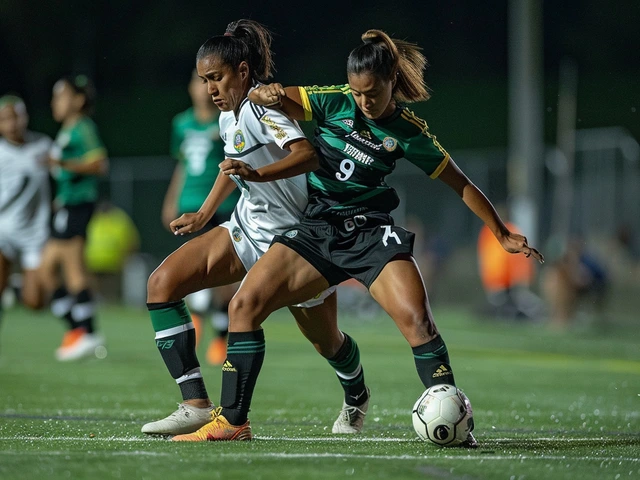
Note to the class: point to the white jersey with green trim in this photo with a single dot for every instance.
(24, 186)
(258, 137)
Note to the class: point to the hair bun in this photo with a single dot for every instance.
(372, 36)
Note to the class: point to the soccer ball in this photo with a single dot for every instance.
(443, 415)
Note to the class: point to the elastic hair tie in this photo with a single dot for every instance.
(228, 34)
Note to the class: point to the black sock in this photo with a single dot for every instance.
(176, 342)
(346, 363)
(61, 303)
(432, 363)
(84, 310)
(245, 354)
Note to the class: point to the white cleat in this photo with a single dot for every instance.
(186, 419)
(84, 345)
(351, 419)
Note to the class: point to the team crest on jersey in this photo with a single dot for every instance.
(291, 233)
(238, 141)
(389, 144)
(236, 234)
(348, 123)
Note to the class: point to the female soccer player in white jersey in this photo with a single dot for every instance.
(362, 131)
(277, 152)
(24, 199)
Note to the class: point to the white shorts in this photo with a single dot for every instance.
(250, 250)
(24, 247)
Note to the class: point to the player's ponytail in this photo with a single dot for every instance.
(244, 41)
(385, 58)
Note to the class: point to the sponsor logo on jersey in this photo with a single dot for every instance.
(360, 139)
(365, 134)
(236, 233)
(279, 132)
(348, 123)
(291, 233)
(356, 154)
(238, 141)
(389, 144)
(441, 371)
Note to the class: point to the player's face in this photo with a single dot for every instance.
(373, 95)
(227, 86)
(199, 93)
(65, 101)
(13, 122)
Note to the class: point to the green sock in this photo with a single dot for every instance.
(346, 363)
(432, 363)
(176, 342)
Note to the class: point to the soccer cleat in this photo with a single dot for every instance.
(186, 419)
(77, 343)
(351, 419)
(217, 351)
(217, 430)
(470, 442)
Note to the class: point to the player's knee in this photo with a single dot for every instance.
(159, 285)
(244, 308)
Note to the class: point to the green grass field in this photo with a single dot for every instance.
(547, 405)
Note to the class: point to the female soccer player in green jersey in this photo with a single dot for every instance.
(275, 147)
(363, 129)
(76, 165)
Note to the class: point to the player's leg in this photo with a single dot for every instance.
(5, 267)
(83, 339)
(281, 277)
(203, 262)
(32, 290)
(319, 324)
(400, 291)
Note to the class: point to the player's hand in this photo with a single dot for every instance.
(188, 223)
(516, 243)
(241, 169)
(169, 212)
(268, 95)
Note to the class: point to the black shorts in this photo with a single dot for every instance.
(71, 221)
(357, 247)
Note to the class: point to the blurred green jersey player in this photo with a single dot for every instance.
(79, 159)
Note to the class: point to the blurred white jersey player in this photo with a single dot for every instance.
(24, 198)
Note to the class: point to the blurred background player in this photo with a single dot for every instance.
(80, 158)
(196, 144)
(24, 199)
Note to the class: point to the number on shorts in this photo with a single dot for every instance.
(347, 167)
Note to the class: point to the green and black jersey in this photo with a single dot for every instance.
(77, 143)
(356, 153)
(199, 149)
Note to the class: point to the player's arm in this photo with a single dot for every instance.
(479, 204)
(88, 165)
(286, 99)
(302, 159)
(192, 222)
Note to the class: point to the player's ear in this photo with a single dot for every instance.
(243, 69)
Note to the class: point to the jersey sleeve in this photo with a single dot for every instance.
(427, 154)
(276, 126)
(324, 103)
(91, 143)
